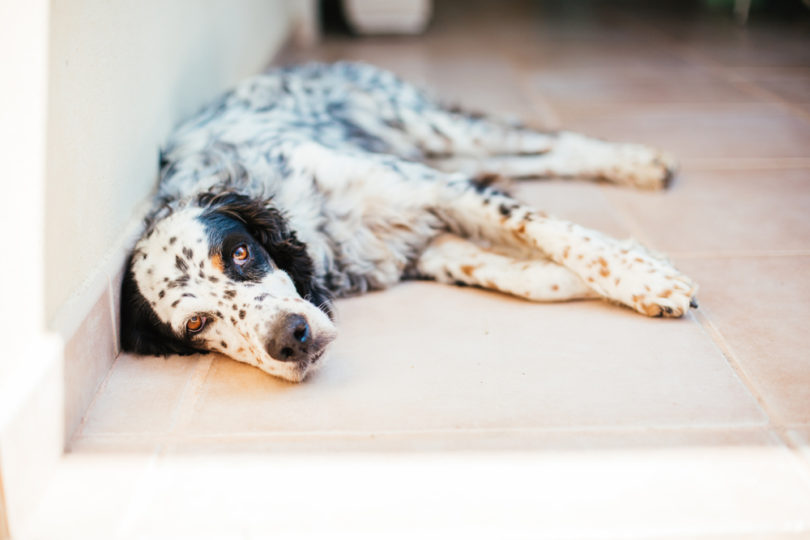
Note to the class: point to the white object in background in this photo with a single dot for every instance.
(388, 16)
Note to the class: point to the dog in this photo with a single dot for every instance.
(318, 181)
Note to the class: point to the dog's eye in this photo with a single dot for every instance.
(195, 323)
(241, 254)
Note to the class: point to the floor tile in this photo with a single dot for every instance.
(699, 131)
(791, 85)
(575, 86)
(575, 364)
(732, 485)
(483, 82)
(723, 211)
(141, 395)
(761, 306)
(762, 42)
(579, 201)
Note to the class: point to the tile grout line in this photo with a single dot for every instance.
(747, 164)
(191, 396)
(143, 492)
(739, 254)
(163, 438)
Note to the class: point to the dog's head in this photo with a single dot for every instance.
(226, 274)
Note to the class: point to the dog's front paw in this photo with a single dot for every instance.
(653, 286)
(627, 273)
(667, 295)
(640, 166)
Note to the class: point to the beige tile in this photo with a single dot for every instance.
(699, 131)
(585, 85)
(88, 357)
(788, 84)
(141, 395)
(762, 42)
(424, 356)
(577, 201)
(724, 211)
(612, 486)
(761, 307)
(777, 46)
(482, 82)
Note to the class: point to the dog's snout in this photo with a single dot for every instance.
(290, 339)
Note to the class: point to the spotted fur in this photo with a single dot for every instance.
(318, 181)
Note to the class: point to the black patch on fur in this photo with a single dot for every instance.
(229, 293)
(232, 219)
(142, 332)
(188, 253)
(180, 264)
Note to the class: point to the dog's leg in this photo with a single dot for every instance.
(455, 141)
(573, 155)
(452, 259)
(388, 188)
(621, 271)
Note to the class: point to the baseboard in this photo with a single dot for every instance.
(88, 324)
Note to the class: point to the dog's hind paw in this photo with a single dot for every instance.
(640, 166)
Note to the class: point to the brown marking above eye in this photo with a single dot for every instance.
(241, 254)
(195, 323)
(216, 262)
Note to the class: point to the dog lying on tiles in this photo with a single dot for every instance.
(318, 181)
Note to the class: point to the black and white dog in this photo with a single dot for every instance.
(317, 181)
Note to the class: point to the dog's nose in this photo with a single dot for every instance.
(290, 338)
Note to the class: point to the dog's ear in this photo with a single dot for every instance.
(269, 227)
(142, 332)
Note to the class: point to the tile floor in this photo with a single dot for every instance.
(455, 412)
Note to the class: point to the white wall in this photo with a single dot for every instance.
(122, 73)
(88, 91)
(23, 87)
